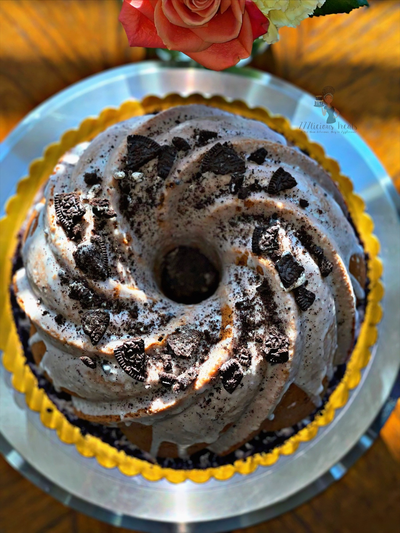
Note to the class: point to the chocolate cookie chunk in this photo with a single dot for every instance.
(167, 379)
(185, 380)
(140, 150)
(281, 181)
(222, 159)
(265, 240)
(101, 208)
(69, 212)
(167, 362)
(79, 290)
(204, 136)
(244, 358)
(184, 343)
(244, 192)
(303, 203)
(231, 375)
(88, 361)
(258, 156)
(59, 319)
(276, 348)
(289, 270)
(166, 161)
(236, 183)
(91, 178)
(304, 298)
(325, 266)
(181, 144)
(95, 324)
(92, 259)
(132, 358)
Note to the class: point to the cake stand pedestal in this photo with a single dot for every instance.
(162, 507)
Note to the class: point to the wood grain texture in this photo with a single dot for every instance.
(45, 45)
(359, 55)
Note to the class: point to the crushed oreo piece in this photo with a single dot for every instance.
(244, 192)
(60, 320)
(91, 178)
(63, 276)
(132, 358)
(305, 238)
(166, 161)
(181, 144)
(101, 208)
(185, 380)
(167, 379)
(325, 266)
(88, 361)
(304, 298)
(303, 203)
(167, 362)
(140, 150)
(280, 181)
(204, 136)
(258, 156)
(184, 342)
(289, 270)
(222, 159)
(92, 259)
(95, 324)
(276, 348)
(69, 211)
(78, 290)
(236, 183)
(244, 358)
(231, 375)
(265, 240)
(265, 293)
(76, 233)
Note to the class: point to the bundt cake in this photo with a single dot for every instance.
(191, 278)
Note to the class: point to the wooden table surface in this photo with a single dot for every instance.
(45, 45)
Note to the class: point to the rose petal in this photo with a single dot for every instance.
(200, 5)
(187, 16)
(221, 28)
(238, 7)
(176, 37)
(144, 6)
(224, 55)
(177, 13)
(139, 29)
(259, 21)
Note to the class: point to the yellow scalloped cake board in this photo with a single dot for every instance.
(24, 380)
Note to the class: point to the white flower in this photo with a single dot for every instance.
(285, 13)
(268, 5)
(272, 35)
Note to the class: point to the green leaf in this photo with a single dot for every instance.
(339, 6)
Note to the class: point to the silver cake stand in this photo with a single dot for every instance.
(243, 500)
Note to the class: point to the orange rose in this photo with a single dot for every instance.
(215, 33)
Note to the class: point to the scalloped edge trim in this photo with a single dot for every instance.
(24, 380)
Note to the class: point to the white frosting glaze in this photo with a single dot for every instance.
(222, 226)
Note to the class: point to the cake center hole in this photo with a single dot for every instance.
(188, 276)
